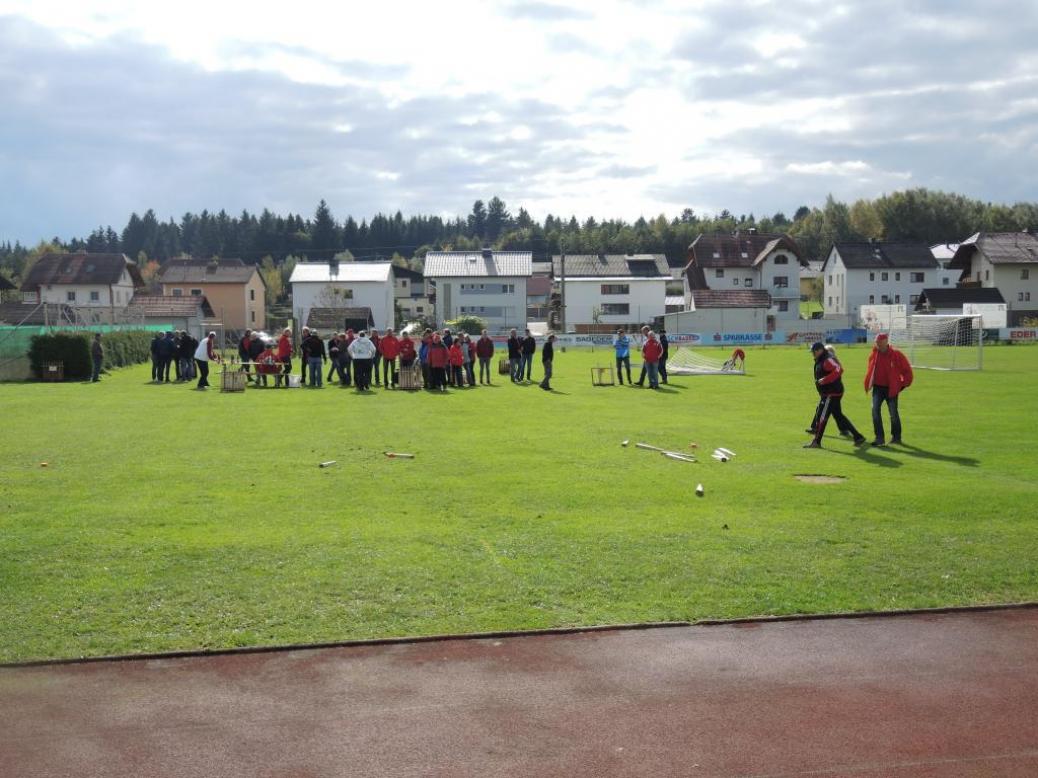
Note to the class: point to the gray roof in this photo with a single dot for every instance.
(743, 249)
(80, 269)
(880, 255)
(1001, 248)
(612, 265)
(203, 271)
(956, 297)
(158, 306)
(454, 264)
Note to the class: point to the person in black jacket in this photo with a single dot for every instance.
(243, 352)
(515, 356)
(316, 356)
(303, 337)
(167, 351)
(666, 353)
(156, 359)
(829, 383)
(547, 355)
(255, 348)
(528, 349)
(186, 354)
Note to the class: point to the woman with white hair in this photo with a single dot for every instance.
(204, 354)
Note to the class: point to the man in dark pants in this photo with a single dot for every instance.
(156, 358)
(243, 352)
(515, 357)
(97, 355)
(665, 344)
(547, 356)
(829, 383)
(528, 350)
(888, 374)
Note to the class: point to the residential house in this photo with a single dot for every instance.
(488, 284)
(538, 297)
(235, 291)
(742, 311)
(185, 313)
(336, 284)
(7, 290)
(604, 291)
(412, 295)
(944, 253)
(1007, 261)
(329, 320)
(748, 260)
(987, 301)
(83, 280)
(876, 273)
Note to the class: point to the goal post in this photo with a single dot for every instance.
(941, 342)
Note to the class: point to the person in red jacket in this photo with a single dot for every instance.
(437, 359)
(829, 383)
(389, 349)
(651, 353)
(887, 375)
(284, 355)
(457, 360)
(485, 352)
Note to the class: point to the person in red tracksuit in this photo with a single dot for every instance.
(389, 349)
(829, 383)
(457, 360)
(887, 375)
(284, 355)
(651, 353)
(437, 358)
(485, 352)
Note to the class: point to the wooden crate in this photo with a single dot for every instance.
(232, 381)
(602, 376)
(411, 377)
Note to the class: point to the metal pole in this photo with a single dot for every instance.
(562, 290)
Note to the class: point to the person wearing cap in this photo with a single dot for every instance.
(547, 357)
(888, 374)
(622, 349)
(829, 383)
(844, 432)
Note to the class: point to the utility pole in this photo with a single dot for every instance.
(562, 288)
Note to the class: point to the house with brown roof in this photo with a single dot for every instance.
(235, 291)
(745, 261)
(175, 313)
(83, 280)
(1007, 261)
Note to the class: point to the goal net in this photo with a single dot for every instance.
(685, 361)
(942, 342)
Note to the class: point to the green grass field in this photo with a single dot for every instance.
(173, 519)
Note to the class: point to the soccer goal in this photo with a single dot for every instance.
(942, 342)
(685, 361)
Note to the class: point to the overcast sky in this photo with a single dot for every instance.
(610, 109)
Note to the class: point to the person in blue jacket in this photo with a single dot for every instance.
(622, 346)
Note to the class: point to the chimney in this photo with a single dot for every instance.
(333, 266)
(601, 257)
(488, 253)
(752, 230)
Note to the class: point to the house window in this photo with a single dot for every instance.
(872, 276)
(196, 292)
(252, 294)
(897, 298)
(897, 276)
(783, 305)
(178, 292)
(616, 309)
(735, 282)
(419, 309)
(945, 281)
(403, 283)
(1019, 297)
(719, 272)
(70, 296)
(885, 299)
(872, 299)
(1025, 274)
(252, 316)
(781, 259)
(884, 276)
(913, 299)
(748, 283)
(616, 288)
(1027, 297)
(96, 297)
(917, 278)
(782, 282)
(830, 279)
(830, 302)
(987, 275)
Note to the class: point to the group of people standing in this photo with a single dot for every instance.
(173, 349)
(655, 351)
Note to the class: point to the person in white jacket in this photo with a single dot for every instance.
(204, 354)
(362, 351)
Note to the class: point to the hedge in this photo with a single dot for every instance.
(128, 347)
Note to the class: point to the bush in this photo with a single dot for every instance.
(128, 347)
(473, 325)
(71, 349)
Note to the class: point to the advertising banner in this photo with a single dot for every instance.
(1019, 334)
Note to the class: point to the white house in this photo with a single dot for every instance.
(411, 296)
(1007, 261)
(610, 290)
(83, 280)
(748, 260)
(944, 253)
(743, 311)
(488, 284)
(344, 285)
(876, 273)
